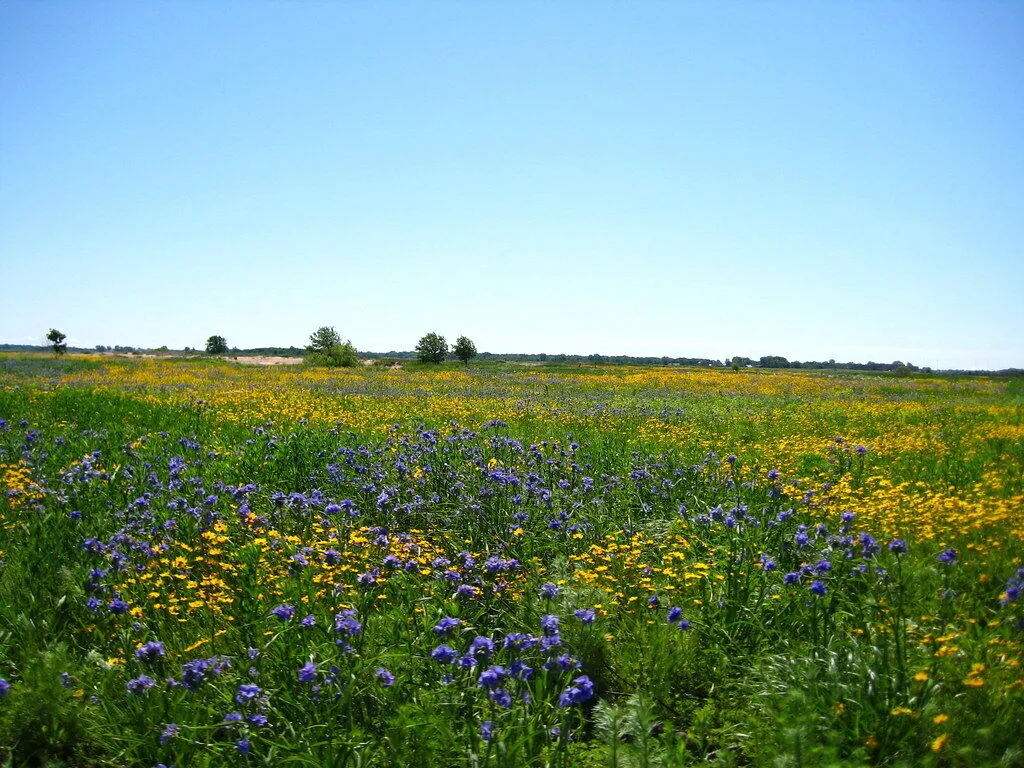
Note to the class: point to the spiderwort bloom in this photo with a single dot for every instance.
(549, 624)
(587, 615)
(141, 684)
(487, 730)
(346, 623)
(150, 651)
(481, 645)
(445, 654)
(243, 746)
(501, 697)
(947, 557)
(170, 731)
(898, 546)
(307, 672)
(117, 605)
(818, 587)
(549, 591)
(385, 677)
(580, 690)
(446, 625)
(283, 612)
(674, 614)
(491, 676)
(247, 693)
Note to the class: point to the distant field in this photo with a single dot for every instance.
(206, 563)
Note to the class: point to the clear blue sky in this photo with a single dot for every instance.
(815, 180)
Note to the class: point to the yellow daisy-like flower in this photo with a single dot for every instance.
(940, 742)
(940, 719)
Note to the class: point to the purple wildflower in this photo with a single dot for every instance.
(284, 612)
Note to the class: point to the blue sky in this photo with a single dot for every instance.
(814, 180)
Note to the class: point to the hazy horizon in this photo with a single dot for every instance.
(841, 181)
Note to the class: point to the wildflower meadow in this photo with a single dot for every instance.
(210, 564)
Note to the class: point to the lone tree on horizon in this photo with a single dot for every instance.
(432, 348)
(216, 345)
(464, 349)
(327, 348)
(56, 338)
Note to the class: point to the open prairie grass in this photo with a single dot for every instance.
(210, 564)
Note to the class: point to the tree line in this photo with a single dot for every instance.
(327, 348)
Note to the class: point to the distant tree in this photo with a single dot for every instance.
(327, 348)
(216, 345)
(432, 349)
(56, 338)
(464, 349)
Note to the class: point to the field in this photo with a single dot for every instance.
(209, 564)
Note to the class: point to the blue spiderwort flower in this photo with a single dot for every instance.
(674, 614)
(446, 625)
(283, 612)
(150, 651)
(4, 687)
(487, 730)
(818, 587)
(260, 721)
(247, 693)
(549, 591)
(481, 645)
(444, 654)
(898, 546)
(549, 624)
(346, 623)
(307, 672)
(947, 557)
(385, 677)
(171, 730)
(117, 605)
(491, 676)
(587, 615)
(580, 690)
(243, 746)
(791, 578)
(141, 684)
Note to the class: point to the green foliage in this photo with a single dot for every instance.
(216, 345)
(464, 349)
(432, 348)
(56, 338)
(42, 722)
(326, 348)
(766, 672)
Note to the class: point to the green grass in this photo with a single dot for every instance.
(125, 493)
